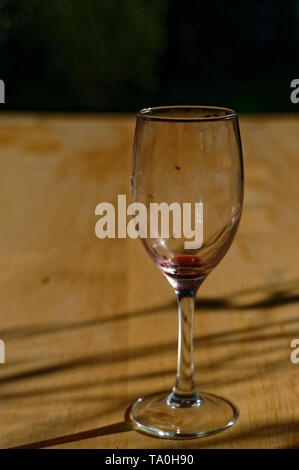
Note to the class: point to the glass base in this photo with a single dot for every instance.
(211, 414)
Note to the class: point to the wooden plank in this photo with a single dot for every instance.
(89, 325)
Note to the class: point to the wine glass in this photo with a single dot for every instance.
(188, 154)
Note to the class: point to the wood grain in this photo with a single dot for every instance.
(90, 325)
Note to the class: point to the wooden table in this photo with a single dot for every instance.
(90, 325)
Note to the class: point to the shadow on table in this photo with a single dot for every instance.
(271, 296)
(115, 428)
(245, 438)
(229, 337)
(257, 334)
(123, 426)
(281, 294)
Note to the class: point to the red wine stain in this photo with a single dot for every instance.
(183, 260)
(182, 267)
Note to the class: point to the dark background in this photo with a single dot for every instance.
(114, 55)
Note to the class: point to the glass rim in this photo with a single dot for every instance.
(152, 113)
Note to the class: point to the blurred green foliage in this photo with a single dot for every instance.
(92, 54)
(120, 55)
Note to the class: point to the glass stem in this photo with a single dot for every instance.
(184, 392)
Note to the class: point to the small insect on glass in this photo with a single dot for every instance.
(188, 154)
